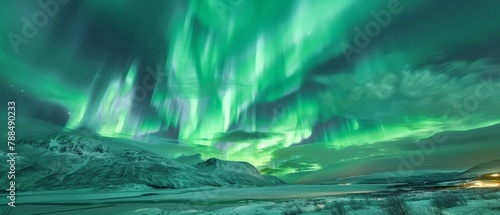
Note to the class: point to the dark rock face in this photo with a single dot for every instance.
(69, 161)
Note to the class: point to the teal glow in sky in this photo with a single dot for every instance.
(300, 89)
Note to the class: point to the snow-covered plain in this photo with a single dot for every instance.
(191, 199)
(287, 199)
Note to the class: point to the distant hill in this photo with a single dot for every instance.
(481, 169)
(421, 176)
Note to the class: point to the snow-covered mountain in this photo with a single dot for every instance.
(236, 172)
(70, 161)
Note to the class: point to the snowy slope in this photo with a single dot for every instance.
(70, 161)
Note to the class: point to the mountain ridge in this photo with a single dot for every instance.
(66, 161)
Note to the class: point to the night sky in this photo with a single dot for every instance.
(304, 90)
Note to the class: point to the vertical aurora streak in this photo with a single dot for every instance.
(254, 80)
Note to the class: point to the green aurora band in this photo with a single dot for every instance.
(237, 76)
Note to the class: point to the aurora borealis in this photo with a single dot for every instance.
(267, 82)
